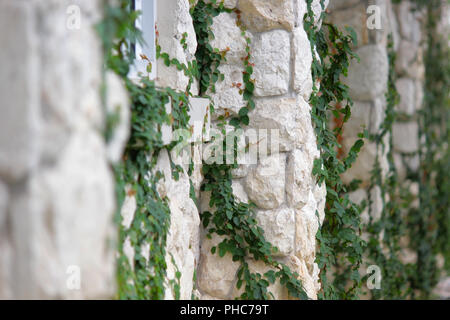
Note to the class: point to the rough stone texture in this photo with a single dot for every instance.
(361, 119)
(216, 274)
(307, 224)
(342, 4)
(56, 186)
(299, 178)
(19, 121)
(406, 136)
(407, 91)
(271, 56)
(265, 184)
(173, 20)
(367, 79)
(183, 240)
(227, 99)
(354, 16)
(280, 184)
(279, 228)
(239, 191)
(118, 104)
(409, 21)
(409, 60)
(261, 15)
(61, 190)
(302, 62)
(288, 115)
(227, 36)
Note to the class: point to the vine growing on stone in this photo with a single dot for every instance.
(339, 238)
(429, 225)
(384, 246)
(142, 276)
(231, 219)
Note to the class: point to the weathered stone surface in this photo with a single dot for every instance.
(399, 166)
(307, 275)
(5, 246)
(265, 184)
(419, 94)
(227, 99)
(4, 199)
(216, 275)
(377, 114)
(393, 25)
(299, 179)
(241, 171)
(228, 37)
(359, 120)
(302, 63)
(261, 15)
(405, 136)
(320, 194)
(279, 228)
(6, 277)
(409, 60)
(118, 105)
(357, 197)
(230, 4)
(406, 90)
(342, 4)
(271, 56)
(239, 191)
(365, 115)
(68, 224)
(19, 121)
(376, 207)
(174, 19)
(307, 224)
(290, 116)
(408, 17)
(354, 17)
(443, 288)
(412, 162)
(363, 165)
(183, 239)
(367, 79)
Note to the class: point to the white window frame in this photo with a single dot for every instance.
(147, 24)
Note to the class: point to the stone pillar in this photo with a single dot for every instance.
(56, 187)
(183, 239)
(280, 184)
(368, 85)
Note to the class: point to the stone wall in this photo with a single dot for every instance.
(280, 184)
(56, 187)
(367, 81)
(368, 84)
(287, 198)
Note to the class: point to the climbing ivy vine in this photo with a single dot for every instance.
(142, 276)
(429, 224)
(384, 245)
(340, 244)
(426, 225)
(233, 220)
(341, 247)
